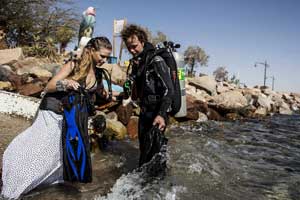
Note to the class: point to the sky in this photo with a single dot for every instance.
(234, 33)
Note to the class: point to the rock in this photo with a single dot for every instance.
(264, 101)
(40, 72)
(192, 114)
(132, 127)
(267, 91)
(9, 55)
(214, 115)
(222, 89)
(249, 98)
(198, 94)
(31, 65)
(17, 81)
(287, 98)
(261, 111)
(254, 92)
(53, 68)
(231, 100)
(202, 117)
(295, 97)
(31, 89)
(5, 85)
(206, 83)
(118, 76)
(232, 86)
(277, 100)
(295, 94)
(6, 67)
(295, 107)
(233, 116)
(116, 128)
(285, 109)
(136, 111)
(16, 104)
(5, 72)
(124, 113)
(194, 104)
(112, 116)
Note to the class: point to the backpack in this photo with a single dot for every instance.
(166, 53)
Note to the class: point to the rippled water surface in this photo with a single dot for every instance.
(251, 159)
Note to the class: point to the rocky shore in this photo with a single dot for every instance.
(23, 79)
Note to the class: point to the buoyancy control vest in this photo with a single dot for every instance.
(175, 62)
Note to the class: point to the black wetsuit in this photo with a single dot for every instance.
(154, 89)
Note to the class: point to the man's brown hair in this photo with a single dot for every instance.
(133, 29)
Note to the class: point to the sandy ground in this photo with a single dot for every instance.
(120, 157)
(10, 127)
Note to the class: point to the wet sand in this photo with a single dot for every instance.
(10, 127)
(120, 157)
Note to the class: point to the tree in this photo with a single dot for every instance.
(157, 38)
(195, 56)
(64, 35)
(30, 19)
(235, 80)
(221, 74)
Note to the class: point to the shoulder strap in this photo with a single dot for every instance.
(104, 72)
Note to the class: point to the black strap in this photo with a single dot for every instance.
(107, 76)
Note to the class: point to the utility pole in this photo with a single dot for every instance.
(265, 71)
(273, 80)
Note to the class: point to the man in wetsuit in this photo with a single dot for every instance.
(152, 86)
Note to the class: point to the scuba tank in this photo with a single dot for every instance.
(179, 58)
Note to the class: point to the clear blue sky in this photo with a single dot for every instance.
(234, 33)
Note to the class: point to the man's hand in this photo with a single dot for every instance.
(160, 121)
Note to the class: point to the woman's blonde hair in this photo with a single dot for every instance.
(85, 63)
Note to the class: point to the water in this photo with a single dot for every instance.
(251, 159)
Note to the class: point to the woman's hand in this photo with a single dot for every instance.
(71, 84)
(160, 121)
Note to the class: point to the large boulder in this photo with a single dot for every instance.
(207, 83)
(33, 66)
(8, 55)
(118, 76)
(193, 103)
(254, 92)
(118, 130)
(31, 89)
(198, 94)
(53, 68)
(230, 100)
(285, 109)
(296, 97)
(5, 85)
(124, 113)
(132, 127)
(261, 111)
(112, 116)
(222, 89)
(265, 102)
(8, 75)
